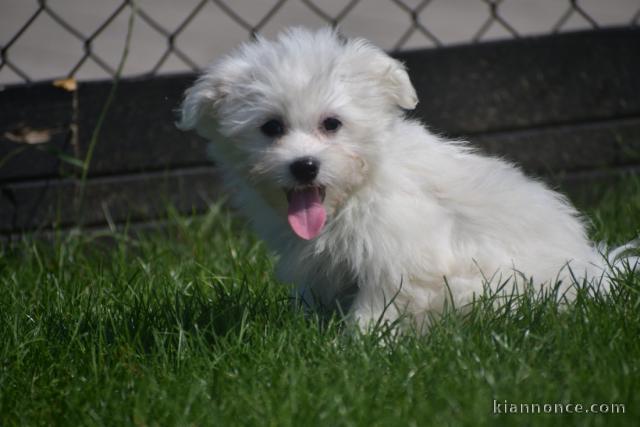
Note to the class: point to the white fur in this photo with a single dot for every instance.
(406, 209)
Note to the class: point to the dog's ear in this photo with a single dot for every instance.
(388, 72)
(198, 102)
(203, 98)
(397, 83)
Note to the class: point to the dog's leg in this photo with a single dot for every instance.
(373, 307)
(416, 302)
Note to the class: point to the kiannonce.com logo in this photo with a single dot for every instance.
(506, 407)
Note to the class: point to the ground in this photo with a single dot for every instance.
(187, 326)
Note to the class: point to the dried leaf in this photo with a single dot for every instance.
(27, 135)
(69, 84)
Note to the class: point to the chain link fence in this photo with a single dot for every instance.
(43, 39)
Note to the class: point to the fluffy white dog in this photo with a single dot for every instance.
(364, 206)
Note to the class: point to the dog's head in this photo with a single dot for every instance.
(303, 118)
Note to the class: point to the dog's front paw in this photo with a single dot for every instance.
(366, 319)
(361, 321)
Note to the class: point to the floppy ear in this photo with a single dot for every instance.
(399, 85)
(203, 99)
(388, 72)
(199, 101)
(395, 81)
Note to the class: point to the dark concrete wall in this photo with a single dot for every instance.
(565, 107)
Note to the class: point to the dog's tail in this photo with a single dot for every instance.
(625, 257)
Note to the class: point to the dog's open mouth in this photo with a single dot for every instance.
(307, 214)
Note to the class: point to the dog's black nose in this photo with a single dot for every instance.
(305, 169)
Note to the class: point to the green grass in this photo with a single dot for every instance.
(188, 327)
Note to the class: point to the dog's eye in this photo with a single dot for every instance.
(273, 128)
(331, 124)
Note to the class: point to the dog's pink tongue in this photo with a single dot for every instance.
(306, 213)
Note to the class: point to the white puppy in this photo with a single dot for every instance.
(364, 206)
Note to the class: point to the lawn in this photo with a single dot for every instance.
(187, 326)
